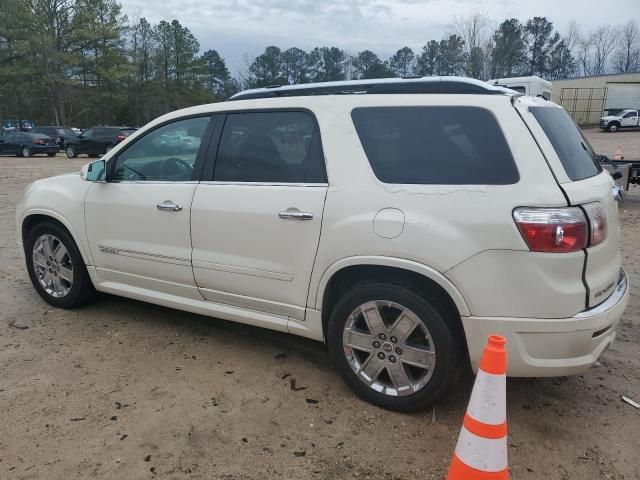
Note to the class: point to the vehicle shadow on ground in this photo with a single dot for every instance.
(522, 393)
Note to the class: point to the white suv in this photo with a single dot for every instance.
(399, 221)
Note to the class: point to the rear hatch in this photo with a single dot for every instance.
(584, 183)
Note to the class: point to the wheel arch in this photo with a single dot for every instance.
(36, 217)
(402, 272)
(394, 266)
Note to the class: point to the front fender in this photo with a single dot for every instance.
(60, 198)
(317, 293)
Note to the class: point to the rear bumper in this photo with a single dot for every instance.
(45, 149)
(551, 347)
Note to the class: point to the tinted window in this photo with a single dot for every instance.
(630, 114)
(167, 153)
(88, 133)
(279, 147)
(575, 153)
(435, 145)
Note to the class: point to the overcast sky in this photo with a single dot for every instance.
(239, 27)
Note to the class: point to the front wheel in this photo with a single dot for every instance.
(392, 346)
(71, 151)
(612, 128)
(55, 266)
(25, 151)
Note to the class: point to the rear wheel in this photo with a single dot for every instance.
(71, 151)
(392, 346)
(25, 151)
(55, 266)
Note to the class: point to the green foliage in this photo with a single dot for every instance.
(367, 65)
(402, 63)
(82, 63)
(510, 50)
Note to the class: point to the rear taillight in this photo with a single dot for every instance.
(561, 230)
(121, 137)
(556, 230)
(598, 222)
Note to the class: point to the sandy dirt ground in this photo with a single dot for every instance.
(121, 389)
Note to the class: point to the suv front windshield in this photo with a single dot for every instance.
(576, 154)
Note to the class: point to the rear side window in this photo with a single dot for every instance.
(575, 153)
(279, 147)
(435, 145)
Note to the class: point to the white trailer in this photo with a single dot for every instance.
(533, 86)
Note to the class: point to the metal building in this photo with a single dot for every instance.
(586, 98)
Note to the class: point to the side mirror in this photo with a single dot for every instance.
(94, 172)
(617, 174)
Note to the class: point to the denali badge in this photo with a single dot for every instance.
(604, 290)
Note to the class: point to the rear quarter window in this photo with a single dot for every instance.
(435, 145)
(573, 150)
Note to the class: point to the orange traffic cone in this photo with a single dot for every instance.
(618, 155)
(481, 452)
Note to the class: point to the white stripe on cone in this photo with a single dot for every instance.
(488, 402)
(487, 455)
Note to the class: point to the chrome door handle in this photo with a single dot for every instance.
(295, 214)
(169, 206)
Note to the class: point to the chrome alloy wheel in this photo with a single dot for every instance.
(389, 348)
(52, 265)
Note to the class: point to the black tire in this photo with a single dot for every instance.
(25, 151)
(71, 151)
(108, 147)
(81, 289)
(51, 155)
(613, 127)
(447, 347)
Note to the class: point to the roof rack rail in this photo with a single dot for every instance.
(413, 85)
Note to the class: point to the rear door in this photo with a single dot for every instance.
(8, 146)
(255, 223)
(585, 184)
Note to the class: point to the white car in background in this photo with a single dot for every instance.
(399, 221)
(628, 118)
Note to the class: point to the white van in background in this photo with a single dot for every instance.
(534, 86)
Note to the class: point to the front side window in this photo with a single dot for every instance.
(278, 147)
(167, 153)
(435, 145)
(88, 133)
(630, 115)
(575, 153)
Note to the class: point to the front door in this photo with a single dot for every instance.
(256, 224)
(138, 223)
(630, 119)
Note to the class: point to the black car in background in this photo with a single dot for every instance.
(61, 134)
(25, 144)
(96, 141)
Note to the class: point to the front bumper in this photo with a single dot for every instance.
(543, 347)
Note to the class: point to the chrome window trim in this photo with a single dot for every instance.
(266, 184)
(163, 182)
